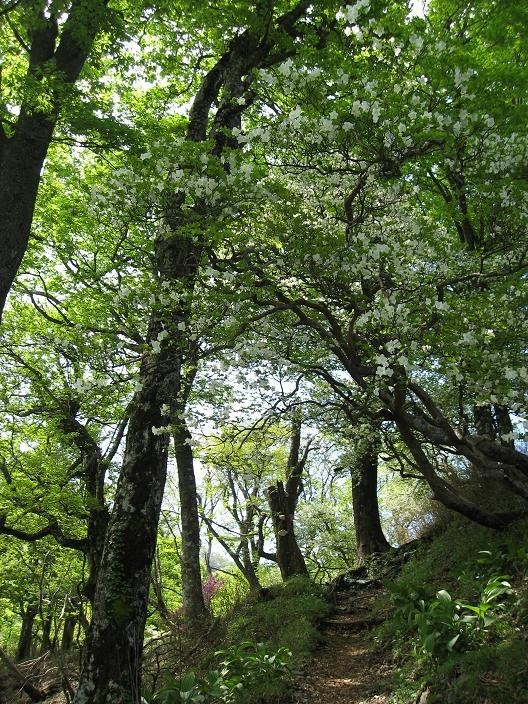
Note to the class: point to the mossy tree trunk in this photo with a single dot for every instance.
(123, 578)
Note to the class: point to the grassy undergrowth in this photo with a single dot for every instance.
(459, 618)
(255, 650)
(287, 618)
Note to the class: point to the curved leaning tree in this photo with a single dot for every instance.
(394, 258)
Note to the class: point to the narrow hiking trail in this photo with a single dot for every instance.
(345, 668)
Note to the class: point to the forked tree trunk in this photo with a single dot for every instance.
(225, 83)
(364, 474)
(241, 557)
(289, 556)
(282, 500)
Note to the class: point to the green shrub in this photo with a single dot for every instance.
(470, 647)
(253, 672)
(233, 591)
(298, 586)
(443, 623)
(264, 639)
(250, 672)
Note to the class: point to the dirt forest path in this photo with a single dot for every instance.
(345, 669)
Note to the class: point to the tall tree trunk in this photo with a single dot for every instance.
(228, 80)
(25, 639)
(111, 670)
(112, 663)
(120, 602)
(364, 474)
(282, 500)
(289, 556)
(22, 154)
(194, 609)
(249, 570)
(20, 168)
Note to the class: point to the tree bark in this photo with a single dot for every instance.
(194, 609)
(283, 502)
(123, 579)
(22, 154)
(120, 602)
(364, 474)
(23, 157)
(289, 556)
(25, 640)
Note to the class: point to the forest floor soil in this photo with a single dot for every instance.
(347, 668)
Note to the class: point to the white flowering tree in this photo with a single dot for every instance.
(399, 243)
(334, 189)
(183, 199)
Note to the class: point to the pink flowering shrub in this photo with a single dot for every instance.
(210, 587)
